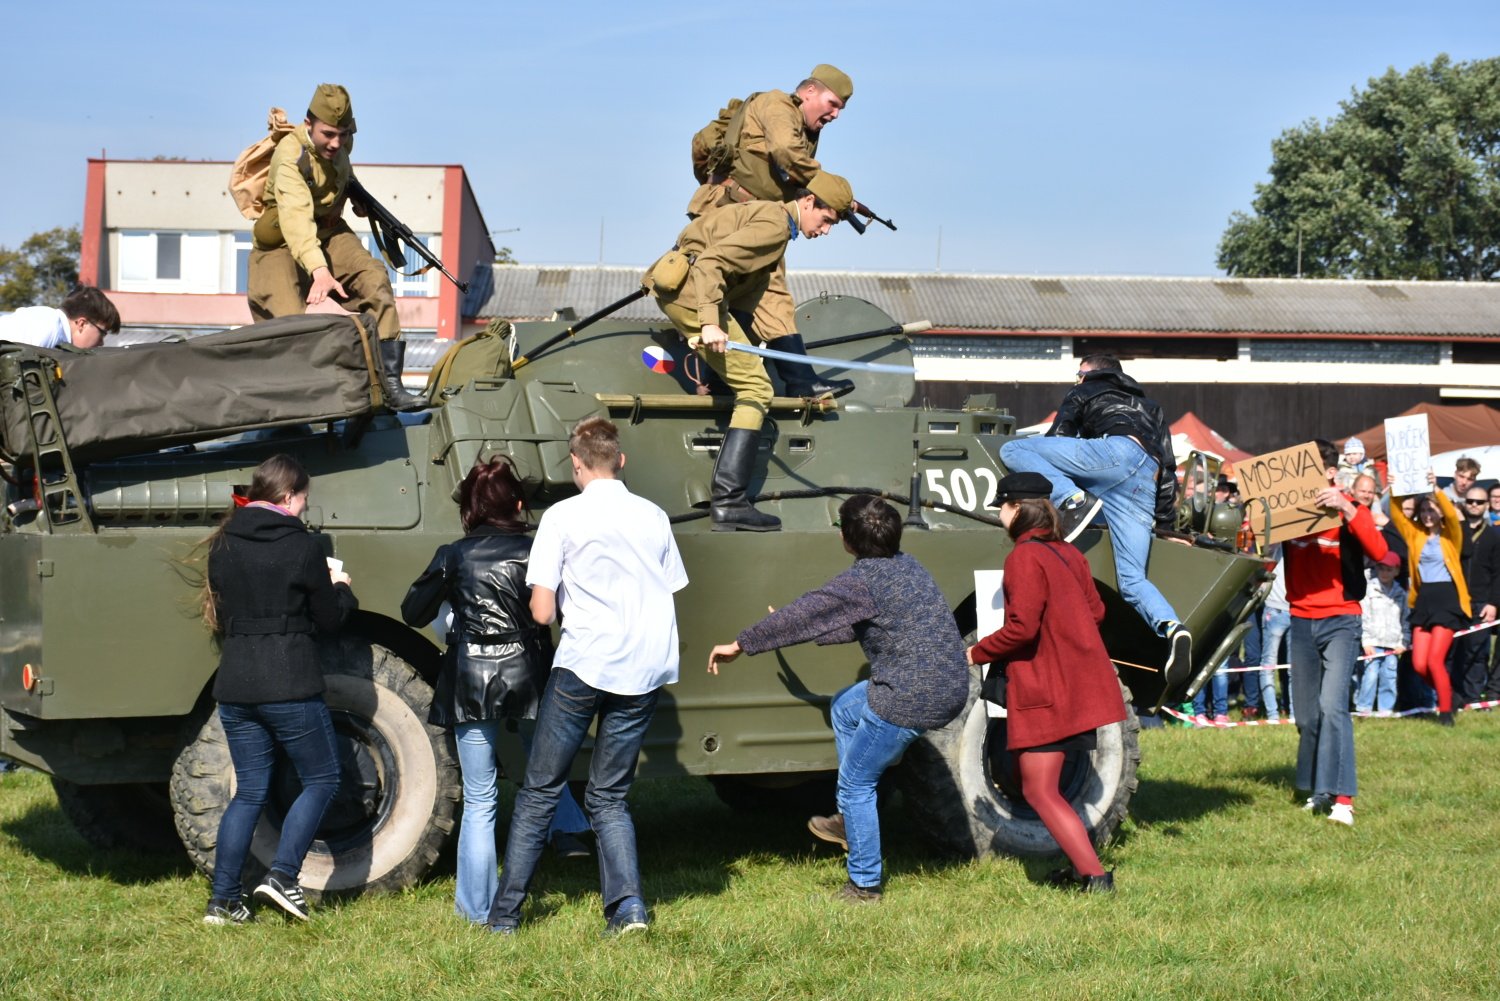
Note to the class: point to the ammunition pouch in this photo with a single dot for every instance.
(669, 272)
(267, 230)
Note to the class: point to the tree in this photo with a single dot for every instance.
(1403, 183)
(41, 271)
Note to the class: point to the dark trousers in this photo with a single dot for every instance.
(1468, 665)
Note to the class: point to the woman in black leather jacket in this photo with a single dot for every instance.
(495, 667)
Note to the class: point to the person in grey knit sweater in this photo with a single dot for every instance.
(919, 680)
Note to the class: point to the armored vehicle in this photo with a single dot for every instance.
(105, 671)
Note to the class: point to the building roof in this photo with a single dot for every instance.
(1032, 304)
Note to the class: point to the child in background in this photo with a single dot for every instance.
(1386, 631)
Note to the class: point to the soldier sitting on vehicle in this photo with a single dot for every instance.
(763, 148)
(303, 251)
(721, 266)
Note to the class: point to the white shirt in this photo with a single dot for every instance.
(613, 562)
(41, 326)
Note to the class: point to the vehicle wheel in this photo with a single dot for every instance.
(399, 787)
(135, 815)
(963, 799)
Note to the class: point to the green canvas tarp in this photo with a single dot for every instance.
(141, 398)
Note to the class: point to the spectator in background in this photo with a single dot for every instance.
(1465, 472)
(1484, 593)
(1386, 630)
(1469, 660)
(1364, 489)
(1353, 464)
(1325, 583)
(1276, 621)
(1439, 595)
(83, 320)
(1494, 511)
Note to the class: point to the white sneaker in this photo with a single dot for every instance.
(1342, 813)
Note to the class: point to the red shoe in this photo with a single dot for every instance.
(1250, 713)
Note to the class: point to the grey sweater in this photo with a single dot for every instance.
(893, 608)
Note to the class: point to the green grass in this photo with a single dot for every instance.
(1226, 890)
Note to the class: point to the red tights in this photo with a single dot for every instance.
(1040, 772)
(1429, 656)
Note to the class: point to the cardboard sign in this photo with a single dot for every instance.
(1283, 485)
(1408, 454)
(989, 602)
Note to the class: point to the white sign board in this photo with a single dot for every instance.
(989, 604)
(1408, 454)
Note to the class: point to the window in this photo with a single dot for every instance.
(241, 248)
(410, 284)
(981, 347)
(168, 261)
(1346, 351)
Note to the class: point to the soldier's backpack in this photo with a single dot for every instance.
(486, 355)
(714, 144)
(252, 168)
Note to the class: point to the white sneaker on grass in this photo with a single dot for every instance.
(1342, 813)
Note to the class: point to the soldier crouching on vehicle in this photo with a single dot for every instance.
(303, 251)
(764, 148)
(721, 266)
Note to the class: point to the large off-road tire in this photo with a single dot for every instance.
(136, 815)
(957, 781)
(399, 786)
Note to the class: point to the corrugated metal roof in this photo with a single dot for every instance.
(1000, 303)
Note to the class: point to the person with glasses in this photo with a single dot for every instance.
(83, 320)
(1494, 512)
(1469, 663)
(1109, 449)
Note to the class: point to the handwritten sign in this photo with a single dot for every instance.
(1282, 485)
(1408, 454)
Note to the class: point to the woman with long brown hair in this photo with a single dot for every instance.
(1060, 683)
(1439, 595)
(269, 590)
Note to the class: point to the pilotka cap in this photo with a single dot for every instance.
(330, 104)
(832, 190)
(834, 79)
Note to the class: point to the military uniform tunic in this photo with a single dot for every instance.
(303, 229)
(774, 157)
(736, 250)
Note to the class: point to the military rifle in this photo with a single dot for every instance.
(868, 213)
(391, 232)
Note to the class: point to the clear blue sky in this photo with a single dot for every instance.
(1062, 138)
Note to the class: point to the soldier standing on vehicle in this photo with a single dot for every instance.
(763, 148)
(722, 265)
(303, 251)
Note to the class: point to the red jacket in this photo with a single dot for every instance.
(1325, 571)
(1059, 678)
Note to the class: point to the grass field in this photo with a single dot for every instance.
(1226, 890)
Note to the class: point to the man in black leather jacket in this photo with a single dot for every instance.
(1110, 449)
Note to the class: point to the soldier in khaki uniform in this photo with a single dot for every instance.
(731, 255)
(765, 148)
(303, 251)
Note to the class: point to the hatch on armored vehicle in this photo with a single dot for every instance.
(105, 672)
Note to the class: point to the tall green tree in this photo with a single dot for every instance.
(39, 272)
(1403, 183)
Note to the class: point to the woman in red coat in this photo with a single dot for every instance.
(1060, 683)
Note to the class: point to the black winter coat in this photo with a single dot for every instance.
(272, 593)
(1109, 403)
(498, 658)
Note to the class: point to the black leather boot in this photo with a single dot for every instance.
(798, 377)
(392, 362)
(731, 509)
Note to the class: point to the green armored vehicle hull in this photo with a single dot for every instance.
(105, 672)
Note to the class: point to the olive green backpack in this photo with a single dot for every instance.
(486, 355)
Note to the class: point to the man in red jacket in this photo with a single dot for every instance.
(1324, 584)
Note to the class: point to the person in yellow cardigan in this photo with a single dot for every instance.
(1438, 596)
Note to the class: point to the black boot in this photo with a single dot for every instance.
(732, 510)
(798, 377)
(392, 362)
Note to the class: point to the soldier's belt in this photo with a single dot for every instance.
(736, 190)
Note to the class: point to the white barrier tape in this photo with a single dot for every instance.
(836, 363)
(1192, 721)
(1475, 629)
(1241, 670)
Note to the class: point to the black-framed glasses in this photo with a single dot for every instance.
(1471, 500)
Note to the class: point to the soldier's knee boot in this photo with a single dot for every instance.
(731, 508)
(392, 363)
(798, 377)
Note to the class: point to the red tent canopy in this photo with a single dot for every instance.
(1205, 438)
(1449, 429)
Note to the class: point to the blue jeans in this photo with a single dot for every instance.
(1275, 624)
(1322, 664)
(867, 745)
(568, 707)
(1377, 685)
(478, 877)
(1217, 689)
(1123, 476)
(304, 730)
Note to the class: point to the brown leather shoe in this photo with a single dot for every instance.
(849, 893)
(830, 829)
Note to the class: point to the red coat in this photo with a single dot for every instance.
(1059, 678)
